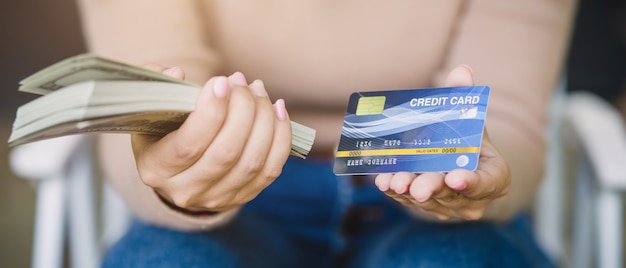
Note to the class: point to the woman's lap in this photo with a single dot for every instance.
(245, 242)
(305, 219)
(467, 244)
(249, 242)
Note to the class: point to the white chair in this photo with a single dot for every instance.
(579, 208)
(69, 197)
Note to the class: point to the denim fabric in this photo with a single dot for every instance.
(311, 218)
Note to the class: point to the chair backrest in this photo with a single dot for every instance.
(580, 203)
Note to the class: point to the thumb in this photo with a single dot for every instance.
(175, 71)
(461, 75)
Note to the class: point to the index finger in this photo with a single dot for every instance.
(182, 147)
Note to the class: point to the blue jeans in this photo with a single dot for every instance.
(311, 218)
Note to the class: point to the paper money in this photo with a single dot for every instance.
(86, 94)
(85, 67)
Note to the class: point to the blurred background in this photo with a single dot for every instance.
(33, 34)
(37, 33)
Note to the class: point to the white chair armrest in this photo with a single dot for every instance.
(43, 159)
(61, 168)
(602, 134)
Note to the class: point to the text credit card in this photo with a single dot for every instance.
(414, 130)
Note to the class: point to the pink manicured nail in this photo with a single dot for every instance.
(280, 110)
(173, 71)
(469, 68)
(220, 87)
(238, 79)
(169, 71)
(258, 88)
(458, 186)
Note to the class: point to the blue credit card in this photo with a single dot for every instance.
(414, 130)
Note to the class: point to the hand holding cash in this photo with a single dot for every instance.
(227, 151)
(87, 93)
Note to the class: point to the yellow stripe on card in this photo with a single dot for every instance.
(370, 105)
(408, 151)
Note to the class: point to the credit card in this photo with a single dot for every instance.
(414, 130)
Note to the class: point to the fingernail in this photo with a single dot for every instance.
(382, 187)
(458, 185)
(469, 68)
(171, 71)
(258, 88)
(280, 110)
(237, 79)
(220, 87)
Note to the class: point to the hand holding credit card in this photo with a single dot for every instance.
(413, 130)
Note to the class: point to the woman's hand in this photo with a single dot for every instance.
(460, 193)
(228, 150)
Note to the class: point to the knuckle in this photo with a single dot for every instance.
(271, 173)
(226, 159)
(253, 166)
(182, 200)
(150, 181)
(149, 178)
(185, 151)
(213, 204)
